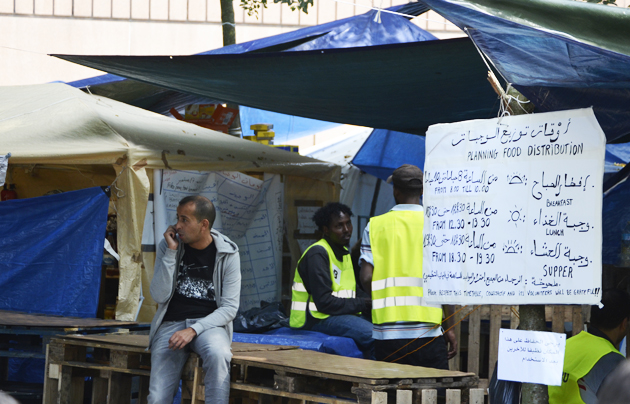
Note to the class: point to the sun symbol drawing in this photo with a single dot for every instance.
(512, 247)
(516, 216)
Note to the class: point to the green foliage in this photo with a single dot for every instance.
(253, 6)
(606, 2)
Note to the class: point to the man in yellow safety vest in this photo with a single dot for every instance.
(323, 296)
(391, 268)
(590, 357)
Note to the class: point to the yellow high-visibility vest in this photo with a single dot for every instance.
(343, 286)
(396, 240)
(580, 355)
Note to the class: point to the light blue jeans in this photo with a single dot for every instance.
(350, 326)
(214, 348)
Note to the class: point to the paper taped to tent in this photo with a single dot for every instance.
(62, 139)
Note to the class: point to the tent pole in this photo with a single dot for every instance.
(377, 189)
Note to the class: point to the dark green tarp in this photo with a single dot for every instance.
(402, 87)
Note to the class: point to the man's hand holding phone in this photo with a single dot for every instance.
(170, 235)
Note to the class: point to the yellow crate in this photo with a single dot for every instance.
(261, 126)
(265, 134)
(289, 148)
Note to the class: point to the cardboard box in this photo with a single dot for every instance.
(199, 111)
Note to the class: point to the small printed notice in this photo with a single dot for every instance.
(4, 163)
(513, 210)
(531, 356)
(249, 212)
(305, 219)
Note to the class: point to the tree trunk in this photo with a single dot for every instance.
(532, 317)
(229, 38)
(227, 20)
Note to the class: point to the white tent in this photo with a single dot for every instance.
(62, 138)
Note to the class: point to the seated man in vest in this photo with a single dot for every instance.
(324, 287)
(391, 268)
(591, 356)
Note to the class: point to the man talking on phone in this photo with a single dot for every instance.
(197, 284)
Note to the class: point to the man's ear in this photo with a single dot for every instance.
(325, 230)
(206, 224)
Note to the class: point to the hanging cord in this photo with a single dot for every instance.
(483, 55)
(432, 339)
(513, 310)
(377, 17)
(506, 98)
(83, 175)
(119, 192)
(394, 12)
(432, 328)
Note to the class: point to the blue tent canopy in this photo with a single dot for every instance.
(560, 54)
(360, 30)
(386, 150)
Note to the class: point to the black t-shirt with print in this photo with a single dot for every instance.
(194, 295)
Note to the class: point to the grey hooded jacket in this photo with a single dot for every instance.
(226, 279)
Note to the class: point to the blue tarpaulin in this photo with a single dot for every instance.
(615, 216)
(305, 339)
(52, 251)
(386, 150)
(560, 54)
(361, 30)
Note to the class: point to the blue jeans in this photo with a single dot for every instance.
(350, 326)
(214, 348)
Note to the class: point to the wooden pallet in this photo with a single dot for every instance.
(308, 376)
(483, 350)
(69, 360)
(112, 361)
(259, 372)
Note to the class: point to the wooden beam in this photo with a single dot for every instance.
(495, 329)
(474, 335)
(430, 396)
(557, 320)
(453, 396)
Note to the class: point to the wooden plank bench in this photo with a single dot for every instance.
(259, 373)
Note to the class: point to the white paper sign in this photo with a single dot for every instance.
(249, 212)
(531, 356)
(305, 219)
(4, 164)
(513, 210)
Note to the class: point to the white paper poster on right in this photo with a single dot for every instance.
(513, 210)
